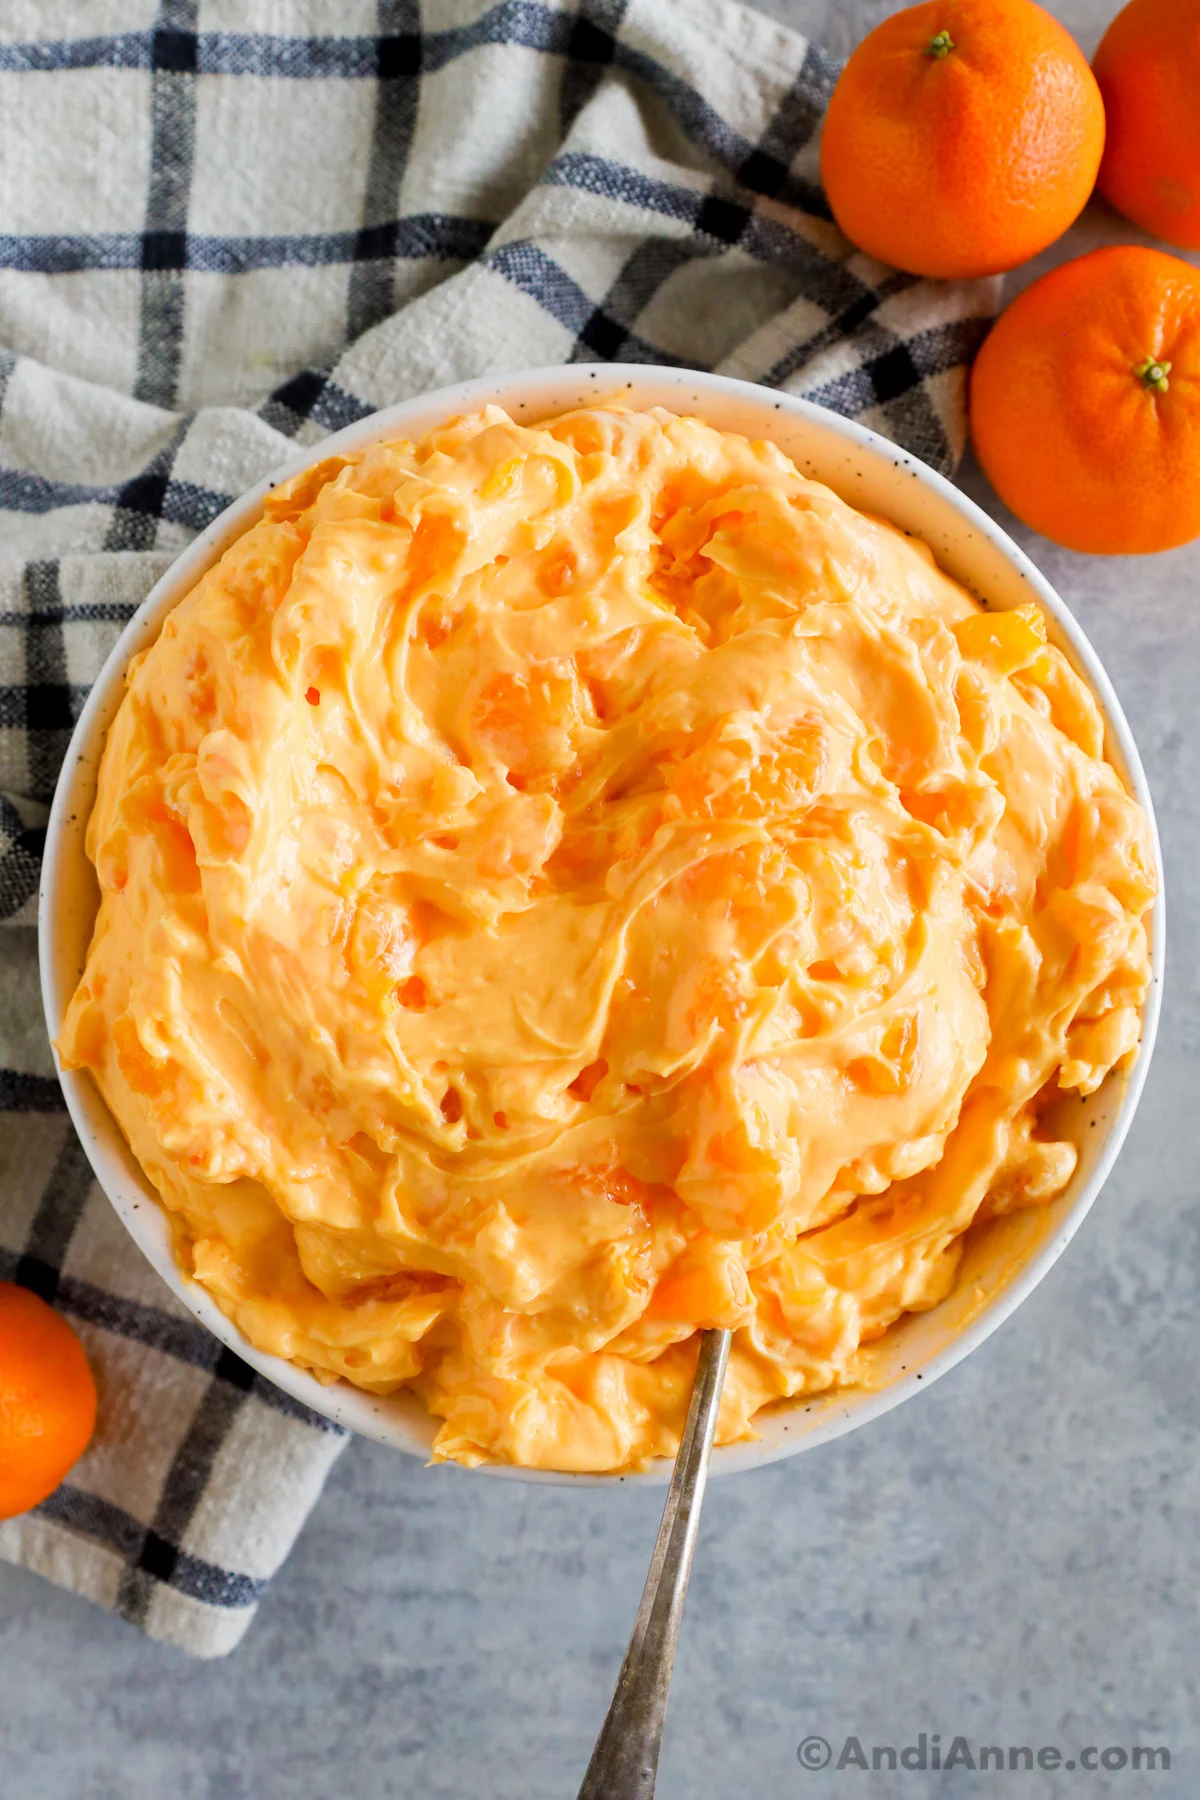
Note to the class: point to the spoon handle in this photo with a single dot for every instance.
(625, 1761)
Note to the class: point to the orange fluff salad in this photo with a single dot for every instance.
(566, 886)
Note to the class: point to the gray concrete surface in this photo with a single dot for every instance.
(1013, 1556)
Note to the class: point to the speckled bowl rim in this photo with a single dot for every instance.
(861, 465)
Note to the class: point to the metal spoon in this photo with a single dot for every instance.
(625, 1761)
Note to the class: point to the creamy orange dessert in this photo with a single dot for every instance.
(565, 886)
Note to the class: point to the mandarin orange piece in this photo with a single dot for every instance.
(962, 137)
(1085, 402)
(1006, 642)
(1148, 68)
(524, 722)
(47, 1400)
(704, 1292)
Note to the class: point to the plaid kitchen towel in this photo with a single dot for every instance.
(227, 229)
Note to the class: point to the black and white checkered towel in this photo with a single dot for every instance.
(225, 229)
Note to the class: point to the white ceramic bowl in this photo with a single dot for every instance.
(1003, 1261)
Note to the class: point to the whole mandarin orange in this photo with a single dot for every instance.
(47, 1399)
(962, 137)
(1148, 67)
(1085, 402)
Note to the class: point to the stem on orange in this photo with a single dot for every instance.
(1153, 374)
(941, 45)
